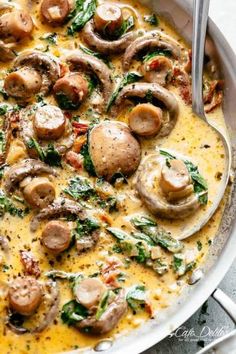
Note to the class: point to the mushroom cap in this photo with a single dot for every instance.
(150, 192)
(113, 149)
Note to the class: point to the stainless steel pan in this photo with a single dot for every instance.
(223, 250)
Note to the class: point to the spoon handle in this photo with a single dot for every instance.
(200, 18)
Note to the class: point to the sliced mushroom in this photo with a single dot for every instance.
(44, 64)
(16, 24)
(79, 61)
(109, 319)
(6, 52)
(56, 236)
(141, 89)
(47, 123)
(71, 90)
(55, 12)
(48, 307)
(108, 18)
(89, 292)
(60, 206)
(39, 193)
(113, 149)
(23, 83)
(167, 191)
(150, 41)
(105, 46)
(6, 130)
(19, 171)
(145, 120)
(158, 69)
(25, 295)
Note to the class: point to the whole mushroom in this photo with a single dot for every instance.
(113, 149)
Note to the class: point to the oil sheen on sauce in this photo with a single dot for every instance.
(188, 137)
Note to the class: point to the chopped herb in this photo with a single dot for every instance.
(199, 245)
(86, 227)
(7, 206)
(160, 267)
(54, 274)
(51, 38)
(79, 188)
(151, 19)
(159, 52)
(96, 55)
(84, 10)
(143, 221)
(2, 142)
(92, 83)
(180, 266)
(73, 312)
(149, 96)
(126, 80)
(136, 297)
(117, 249)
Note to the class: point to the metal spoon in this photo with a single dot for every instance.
(200, 19)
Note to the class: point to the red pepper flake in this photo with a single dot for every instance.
(31, 266)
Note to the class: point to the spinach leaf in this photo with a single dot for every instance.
(180, 266)
(92, 83)
(136, 297)
(96, 55)
(86, 227)
(144, 237)
(159, 266)
(167, 154)
(88, 164)
(64, 102)
(120, 235)
(82, 14)
(79, 188)
(7, 206)
(73, 312)
(52, 156)
(143, 221)
(162, 52)
(103, 303)
(151, 19)
(60, 274)
(157, 234)
(3, 109)
(125, 27)
(51, 38)
(126, 80)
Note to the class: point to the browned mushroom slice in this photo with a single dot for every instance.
(16, 24)
(19, 171)
(166, 191)
(23, 83)
(71, 90)
(60, 206)
(39, 192)
(84, 62)
(48, 307)
(32, 127)
(6, 130)
(47, 66)
(158, 69)
(55, 12)
(25, 295)
(109, 319)
(105, 46)
(156, 91)
(113, 149)
(145, 119)
(56, 236)
(150, 41)
(108, 17)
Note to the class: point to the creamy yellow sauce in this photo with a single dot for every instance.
(188, 138)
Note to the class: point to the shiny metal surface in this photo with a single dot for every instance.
(222, 252)
(200, 21)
